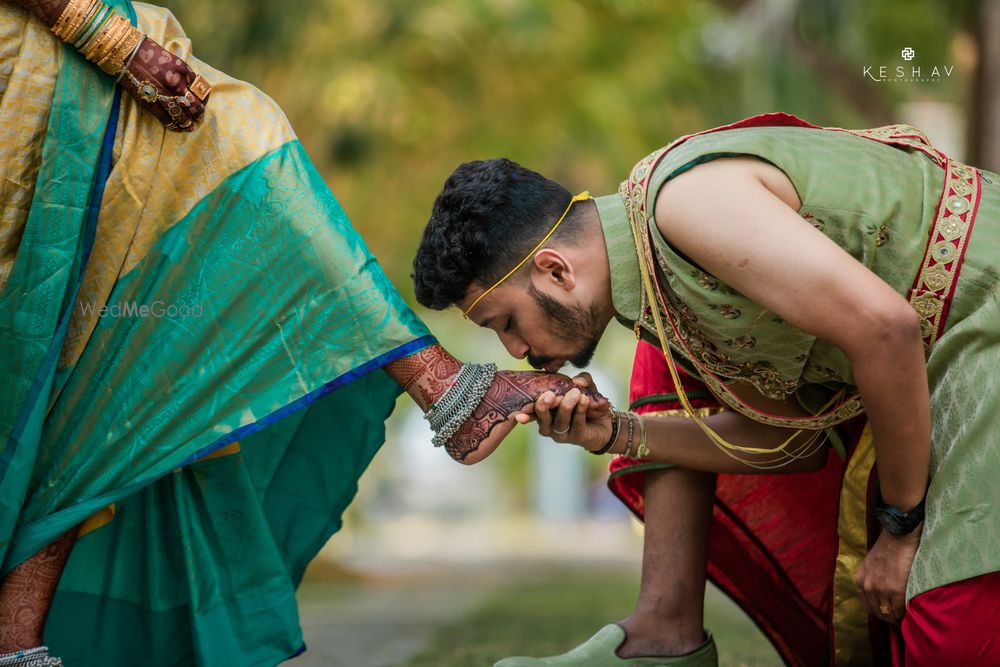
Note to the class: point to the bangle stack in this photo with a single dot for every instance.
(631, 432)
(103, 37)
(642, 449)
(459, 401)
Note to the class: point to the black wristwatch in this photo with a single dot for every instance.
(898, 522)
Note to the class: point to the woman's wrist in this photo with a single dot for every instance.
(103, 37)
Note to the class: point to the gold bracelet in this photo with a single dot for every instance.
(643, 450)
(92, 25)
(101, 47)
(73, 30)
(71, 18)
(114, 62)
(631, 430)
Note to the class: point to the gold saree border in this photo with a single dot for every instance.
(850, 619)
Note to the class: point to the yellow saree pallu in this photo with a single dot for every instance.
(192, 342)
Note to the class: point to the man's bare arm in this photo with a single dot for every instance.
(754, 240)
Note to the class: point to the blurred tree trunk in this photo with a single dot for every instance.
(984, 137)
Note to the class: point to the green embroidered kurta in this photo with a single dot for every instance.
(878, 203)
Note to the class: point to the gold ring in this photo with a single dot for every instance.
(885, 609)
(200, 87)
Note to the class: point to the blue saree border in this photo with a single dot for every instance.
(71, 516)
(89, 233)
(394, 354)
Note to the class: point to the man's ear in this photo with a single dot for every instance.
(555, 267)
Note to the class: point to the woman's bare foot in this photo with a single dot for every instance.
(493, 418)
(427, 375)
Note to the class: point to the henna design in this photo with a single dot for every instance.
(510, 391)
(26, 594)
(170, 76)
(425, 375)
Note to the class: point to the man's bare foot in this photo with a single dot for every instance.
(646, 635)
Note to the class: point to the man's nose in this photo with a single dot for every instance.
(516, 347)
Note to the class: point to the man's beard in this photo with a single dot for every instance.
(568, 324)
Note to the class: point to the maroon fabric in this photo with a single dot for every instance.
(773, 540)
(957, 624)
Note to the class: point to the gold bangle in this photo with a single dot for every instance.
(69, 11)
(631, 430)
(114, 61)
(643, 450)
(92, 25)
(71, 18)
(101, 47)
(87, 11)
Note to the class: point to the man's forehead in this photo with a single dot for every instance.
(486, 312)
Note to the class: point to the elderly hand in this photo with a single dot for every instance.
(881, 578)
(573, 417)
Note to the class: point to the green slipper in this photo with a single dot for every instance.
(599, 651)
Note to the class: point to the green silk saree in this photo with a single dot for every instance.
(192, 342)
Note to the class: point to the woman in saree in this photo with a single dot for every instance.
(198, 351)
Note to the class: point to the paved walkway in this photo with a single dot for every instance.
(380, 623)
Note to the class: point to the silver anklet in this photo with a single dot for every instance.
(30, 657)
(462, 398)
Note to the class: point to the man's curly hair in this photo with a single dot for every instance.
(489, 215)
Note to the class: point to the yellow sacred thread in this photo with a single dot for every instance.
(784, 456)
(583, 196)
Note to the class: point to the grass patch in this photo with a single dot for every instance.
(549, 613)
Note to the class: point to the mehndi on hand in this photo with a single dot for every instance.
(166, 86)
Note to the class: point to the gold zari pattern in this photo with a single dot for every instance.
(935, 283)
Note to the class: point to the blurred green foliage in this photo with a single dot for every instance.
(388, 97)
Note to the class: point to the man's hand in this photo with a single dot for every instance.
(573, 417)
(881, 578)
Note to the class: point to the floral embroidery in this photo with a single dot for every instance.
(728, 311)
(708, 282)
(809, 217)
(882, 236)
